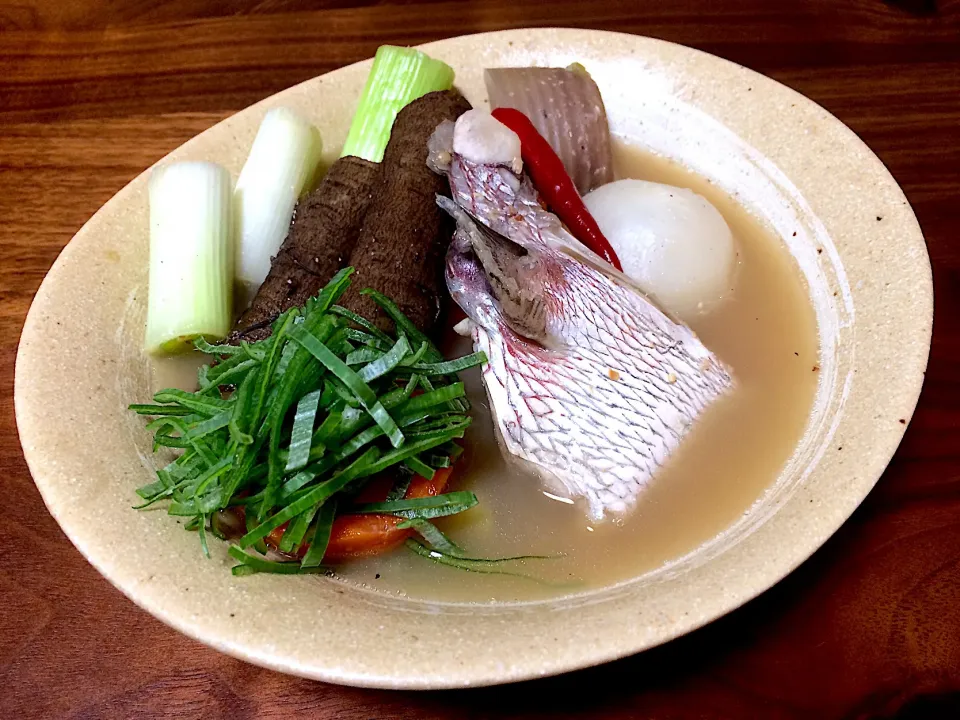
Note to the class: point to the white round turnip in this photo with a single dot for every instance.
(671, 241)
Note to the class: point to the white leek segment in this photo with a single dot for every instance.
(281, 163)
(398, 77)
(191, 256)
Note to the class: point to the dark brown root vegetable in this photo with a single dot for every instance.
(405, 235)
(325, 228)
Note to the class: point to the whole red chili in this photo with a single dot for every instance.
(553, 182)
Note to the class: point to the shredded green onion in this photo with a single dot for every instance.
(209, 425)
(302, 435)
(372, 329)
(439, 461)
(477, 565)
(321, 535)
(252, 564)
(293, 535)
(442, 550)
(386, 362)
(362, 356)
(158, 410)
(399, 489)
(325, 402)
(203, 346)
(420, 467)
(452, 366)
(417, 356)
(208, 406)
(427, 507)
(352, 380)
(431, 534)
(359, 468)
(242, 399)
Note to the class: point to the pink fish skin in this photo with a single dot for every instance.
(588, 380)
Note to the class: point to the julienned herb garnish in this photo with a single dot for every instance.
(324, 403)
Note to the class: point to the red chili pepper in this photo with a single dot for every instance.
(555, 185)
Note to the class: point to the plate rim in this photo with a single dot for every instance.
(465, 678)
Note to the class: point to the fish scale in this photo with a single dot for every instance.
(617, 385)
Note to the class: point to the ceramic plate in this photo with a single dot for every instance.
(791, 163)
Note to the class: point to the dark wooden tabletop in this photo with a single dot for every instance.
(91, 93)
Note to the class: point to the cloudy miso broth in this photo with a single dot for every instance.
(765, 331)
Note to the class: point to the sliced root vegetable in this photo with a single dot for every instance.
(565, 106)
(282, 161)
(191, 261)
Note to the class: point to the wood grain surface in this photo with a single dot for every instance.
(91, 93)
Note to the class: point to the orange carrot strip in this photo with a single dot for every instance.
(362, 535)
(355, 536)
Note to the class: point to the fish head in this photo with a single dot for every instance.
(495, 280)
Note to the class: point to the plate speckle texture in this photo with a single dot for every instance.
(790, 162)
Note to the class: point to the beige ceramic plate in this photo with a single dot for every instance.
(789, 161)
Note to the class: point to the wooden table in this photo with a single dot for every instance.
(92, 93)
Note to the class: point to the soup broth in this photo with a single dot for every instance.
(765, 331)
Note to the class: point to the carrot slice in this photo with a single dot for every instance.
(420, 487)
(363, 535)
(355, 536)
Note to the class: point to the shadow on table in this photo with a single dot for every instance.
(915, 7)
